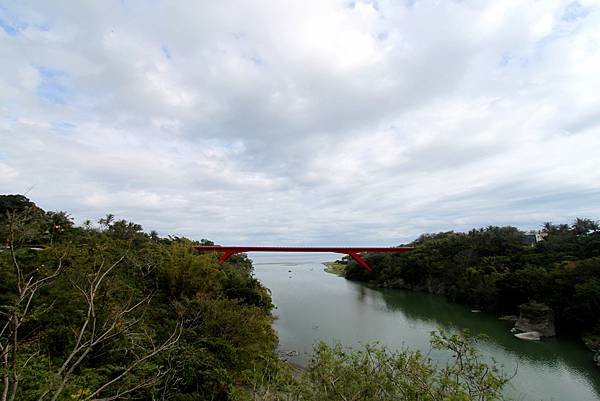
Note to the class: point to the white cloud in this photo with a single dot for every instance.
(7, 174)
(304, 122)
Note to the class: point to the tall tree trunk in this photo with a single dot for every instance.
(5, 379)
(15, 383)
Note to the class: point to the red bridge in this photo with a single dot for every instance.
(354, 252)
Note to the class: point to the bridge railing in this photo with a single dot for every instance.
(353, 252)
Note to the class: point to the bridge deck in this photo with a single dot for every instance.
(354, 252)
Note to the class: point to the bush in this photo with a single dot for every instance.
(377, 374)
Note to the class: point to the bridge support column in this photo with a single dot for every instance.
(359, 260)
(353, 252)
(226, 255)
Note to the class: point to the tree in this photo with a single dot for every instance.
(14, 203)
(113, 313)
(124, 230)
(57, 224)
(585, 226)
(17, 311)
(107, 221)
(374, 373)
(100, 328)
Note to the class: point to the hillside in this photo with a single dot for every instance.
(106, 311)
(109, 311)
(496, 269)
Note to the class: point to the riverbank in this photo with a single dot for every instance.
(521, 323)
(494, 269)
(316, 306)
(336, 268)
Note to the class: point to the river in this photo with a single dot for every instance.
(313, 305)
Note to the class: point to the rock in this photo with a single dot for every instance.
(538, 317)
(434, 286)
(592, 341)
(283, 354)
(510, 318)
(530, 335)
(398, 283)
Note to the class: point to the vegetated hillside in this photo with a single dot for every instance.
(111, 312)
(492, 269)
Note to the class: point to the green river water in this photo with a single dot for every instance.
(313, 305)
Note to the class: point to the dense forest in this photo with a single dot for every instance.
(105, 311)
(109, 312)
(497, 269)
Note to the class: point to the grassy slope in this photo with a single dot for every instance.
(335, 268)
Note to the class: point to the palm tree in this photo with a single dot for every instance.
(107, 221)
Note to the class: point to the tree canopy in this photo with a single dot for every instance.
(107, 311)
(494, 269)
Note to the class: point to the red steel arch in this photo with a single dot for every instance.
(354, 252)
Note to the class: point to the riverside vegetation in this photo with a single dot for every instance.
(107, 312)
(493, 269)
(335, 268)
(112, 312)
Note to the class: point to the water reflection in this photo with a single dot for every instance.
(313, 305)
(566, 355)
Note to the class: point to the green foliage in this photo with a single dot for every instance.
(335, 268)
(494, 269)
(153, 288)
(375, 373)
(14, 203)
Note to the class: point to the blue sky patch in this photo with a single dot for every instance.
(574, 11)
(63, 126)
(505, 59)
(53, 85)
(10, 23)
(166, 52)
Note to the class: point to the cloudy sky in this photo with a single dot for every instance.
(303, 122)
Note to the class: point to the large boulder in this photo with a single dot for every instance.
(530, 335)
(538, 317)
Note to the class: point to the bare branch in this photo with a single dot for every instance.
(121, 393)
(101, 278)
(170, 342)
(6, 326)
(36, 353)
(11, 228)
(5, 378)
(15, 345)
